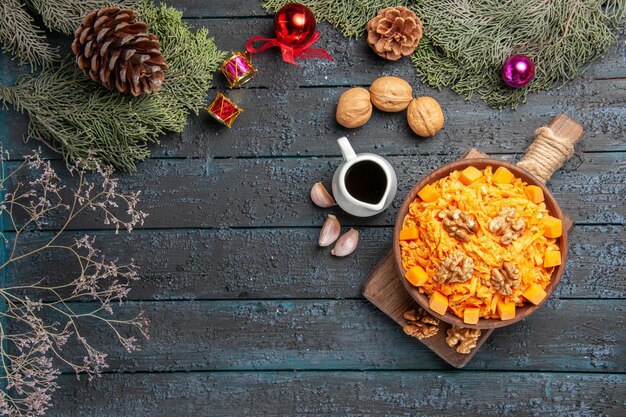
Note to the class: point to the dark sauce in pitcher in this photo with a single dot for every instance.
(366, 181)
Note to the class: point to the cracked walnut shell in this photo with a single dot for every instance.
(465, 338)
(394, 32)
(506, 279)
(420, 324)
(505, 226)
(457, 267)
(458, 224)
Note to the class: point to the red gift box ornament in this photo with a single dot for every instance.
(224, 110)
(237, 69)
(294, 25)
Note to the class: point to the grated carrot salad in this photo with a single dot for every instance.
(482, 200)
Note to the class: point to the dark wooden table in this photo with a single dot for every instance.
(250, 317)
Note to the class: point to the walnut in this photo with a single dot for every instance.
(420, 324)
(466, 339)
(458, 224)
(425, 116)
(505, 226)
(354, 108)
(457, 267)
(391, 94)
(506, 279)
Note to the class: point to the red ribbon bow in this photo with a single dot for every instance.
(290, 53)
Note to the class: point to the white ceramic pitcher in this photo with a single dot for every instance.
(350, 203)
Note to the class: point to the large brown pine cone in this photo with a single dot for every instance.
(112, 47)
(394, 32)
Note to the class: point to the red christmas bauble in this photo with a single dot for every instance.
(294, 24)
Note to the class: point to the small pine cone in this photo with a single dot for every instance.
(394, 32)
(113, 48)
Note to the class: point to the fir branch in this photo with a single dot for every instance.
(22, 38)
(66, 15)
(466, 42)
(192, 57)
(80, 119)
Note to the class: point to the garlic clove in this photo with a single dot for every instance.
(347, 243)
(330, 231)
(321, 197)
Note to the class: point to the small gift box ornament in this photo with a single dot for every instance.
(224, 110)
(237, 69)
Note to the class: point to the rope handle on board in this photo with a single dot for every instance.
(552, 147)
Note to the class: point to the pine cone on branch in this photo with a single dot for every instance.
(115, 49)
(394, 32)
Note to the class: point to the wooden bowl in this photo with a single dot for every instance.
(552, 206)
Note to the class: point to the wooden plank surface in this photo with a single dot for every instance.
(286, 263)
(271, 127)
(249, 317)
(349, 394)
(230, 335)
(271, 192)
